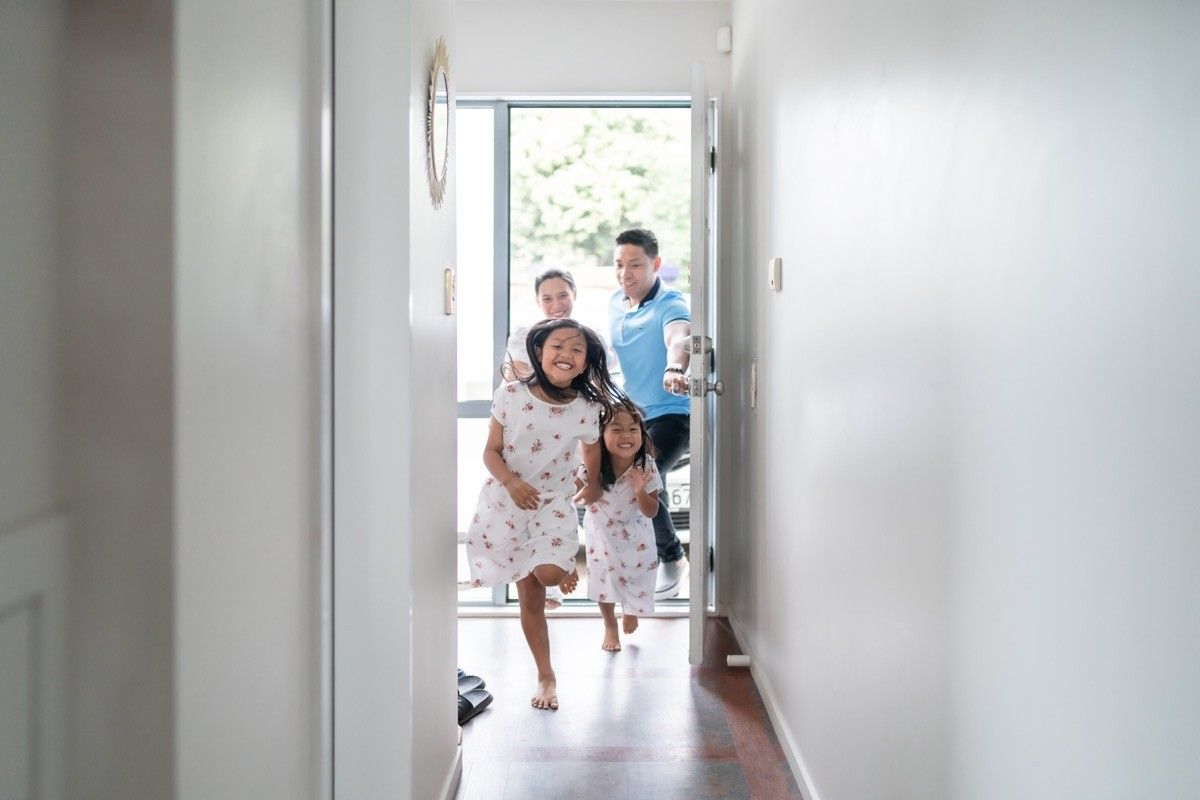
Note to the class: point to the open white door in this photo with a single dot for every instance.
(702, 383)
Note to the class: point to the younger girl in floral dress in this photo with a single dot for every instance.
(622, 561)
(524, 528)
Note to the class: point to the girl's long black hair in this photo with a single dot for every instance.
(607, 474)
(594, 383)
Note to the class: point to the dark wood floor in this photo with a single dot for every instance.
(640, 724)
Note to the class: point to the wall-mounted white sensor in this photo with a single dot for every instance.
(775, 274)
(724, 39)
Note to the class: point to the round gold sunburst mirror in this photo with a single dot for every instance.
(437, 124)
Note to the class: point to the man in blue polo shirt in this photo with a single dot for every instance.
(650, 325)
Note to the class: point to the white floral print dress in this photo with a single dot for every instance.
(541, 446)
(621, 557)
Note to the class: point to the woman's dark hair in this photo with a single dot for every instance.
(594, 383)
(554, 272)
(607, 474)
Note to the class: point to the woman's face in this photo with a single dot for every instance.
(556, 298)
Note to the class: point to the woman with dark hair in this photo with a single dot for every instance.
(554, 290)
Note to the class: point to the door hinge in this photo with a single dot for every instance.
(712, 159)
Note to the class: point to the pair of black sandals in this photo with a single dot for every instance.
(472, 697)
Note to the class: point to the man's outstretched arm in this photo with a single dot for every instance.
(675, 336)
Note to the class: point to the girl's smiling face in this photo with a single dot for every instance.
(556, 298)
(564, 356)
(623, 437)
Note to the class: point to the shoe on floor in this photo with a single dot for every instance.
(469, 683)
(670, 579)
(554, 597)
(472, 703)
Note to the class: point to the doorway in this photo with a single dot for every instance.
(550, 184)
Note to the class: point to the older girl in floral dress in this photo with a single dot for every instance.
(524, 526)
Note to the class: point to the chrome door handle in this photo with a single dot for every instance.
(698, 387)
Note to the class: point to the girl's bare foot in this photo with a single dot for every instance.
(569, 583)
(546, 696)
(629, 623)
(612, 639)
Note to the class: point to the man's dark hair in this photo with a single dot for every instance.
(642, 238)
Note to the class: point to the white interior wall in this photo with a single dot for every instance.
(190, 366)
(373, 638)
(394, 429)
(515, 47)
(247, 220)
(116, 335)
(31, 45)
(433, 429)
(977, 393)
(33, 534)
(372, 633)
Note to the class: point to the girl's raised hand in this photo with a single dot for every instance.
(524, 495)
(638, 478)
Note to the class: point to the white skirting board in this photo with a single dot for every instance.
(450, 787)
(786, 739)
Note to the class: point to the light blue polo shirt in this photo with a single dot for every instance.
(637, 338)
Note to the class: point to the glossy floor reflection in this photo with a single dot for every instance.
(641, 723)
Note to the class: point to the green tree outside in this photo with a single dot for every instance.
(579, 176)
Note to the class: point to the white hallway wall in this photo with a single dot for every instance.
(100, 343)
(247, 321)
(433, 426)
(394, 412)
(117, 168)
(85, 401)
(179, 290)
(33, 564)
(515, 47)
(977, 393)
(31, 40)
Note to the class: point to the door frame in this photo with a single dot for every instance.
(502, 268)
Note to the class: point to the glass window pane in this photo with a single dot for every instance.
(474, 174)
(472, 434)
(579, 176)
